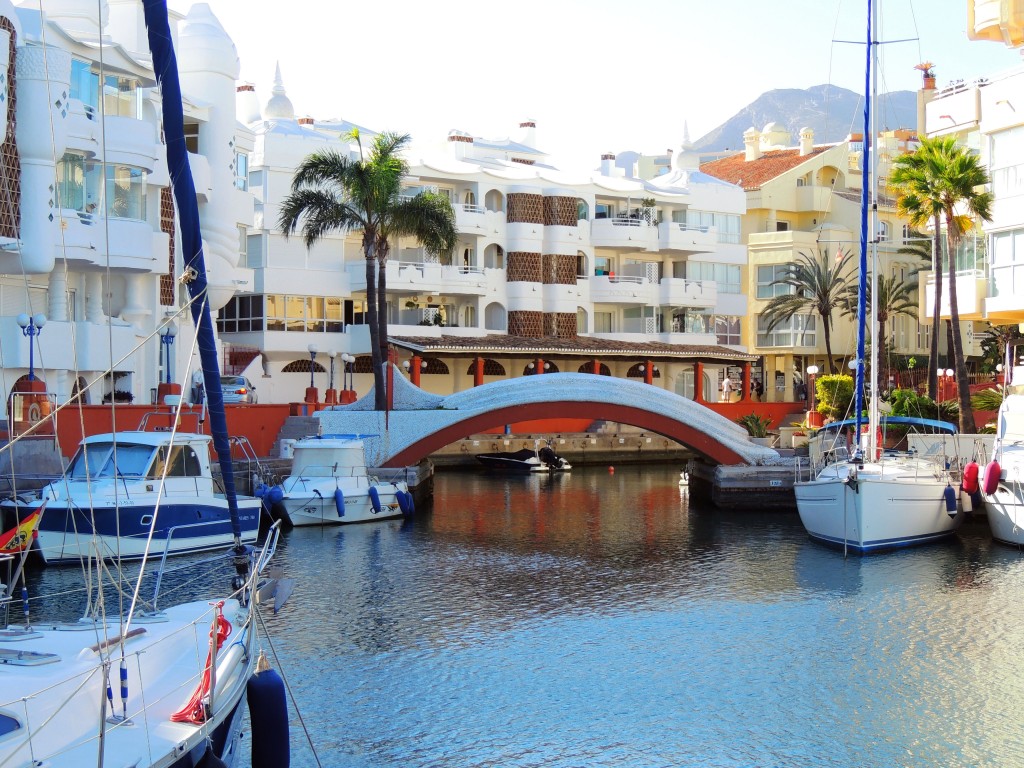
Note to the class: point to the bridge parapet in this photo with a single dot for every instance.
(422, 422)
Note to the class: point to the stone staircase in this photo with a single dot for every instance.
(295, 428)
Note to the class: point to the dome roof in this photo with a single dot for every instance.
(279, 105)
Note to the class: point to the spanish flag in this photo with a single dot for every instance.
(19, 538)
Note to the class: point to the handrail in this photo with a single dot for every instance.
(167, 546)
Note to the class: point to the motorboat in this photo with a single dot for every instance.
(538, 459)
(858, 497)
(329, 484)
(1002, 483)
(131, 493)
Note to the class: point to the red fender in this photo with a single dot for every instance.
(970, 482)
(991, 480)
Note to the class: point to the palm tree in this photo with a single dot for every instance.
(940, 182)
(332, 192)
(818, 287)
(895, 298)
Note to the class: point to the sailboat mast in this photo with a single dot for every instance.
(873, 420)
(866, 200)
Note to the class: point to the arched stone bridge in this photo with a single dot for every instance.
(422, 423)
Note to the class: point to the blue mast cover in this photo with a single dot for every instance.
(165, 65)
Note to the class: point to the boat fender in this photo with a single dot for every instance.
(339, 501)
(275, 495)
(268, 717)
(990, 481)
(210, 759)
(405, 502)
(971, 472)
(966, 501)
(949, 494)
(374, 499)
(977, 499)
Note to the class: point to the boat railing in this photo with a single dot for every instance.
(322, 471)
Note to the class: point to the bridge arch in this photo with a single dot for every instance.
(422, 423)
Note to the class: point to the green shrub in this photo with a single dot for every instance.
(756, 426)
(834, 395)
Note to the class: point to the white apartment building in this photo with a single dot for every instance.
(987, 115)
(542, 254)
(87, 225)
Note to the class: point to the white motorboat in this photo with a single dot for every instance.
(329, 484)
(860, 499)
(128, 494)
(1002, 483)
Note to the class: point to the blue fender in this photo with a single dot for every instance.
(949, 494)
(374, 499)
(339, 501)
(268, 715)
(405, 502)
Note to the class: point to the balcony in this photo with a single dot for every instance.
(83, 129)
(130, 141)
(404, 277)
(679, 292)
(133, 245)
(606, 289)
(1004, 304)
(67, 345)
(971, 295)
(682, 238)
(623, 234)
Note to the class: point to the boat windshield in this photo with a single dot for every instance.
(96, 460)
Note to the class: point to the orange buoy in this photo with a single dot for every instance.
(611, 470)
(991, 480)
(970, 482)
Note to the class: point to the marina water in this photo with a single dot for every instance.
(600, 619)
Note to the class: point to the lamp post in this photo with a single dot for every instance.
(950, 373)
(814, 418)
(347, 378)
(167, 334)
(312, 396)
(31, 326)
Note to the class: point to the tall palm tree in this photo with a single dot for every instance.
(819, 287)
(332, 192)
(896, 297)
(942, 181)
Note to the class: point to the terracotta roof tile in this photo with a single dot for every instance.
(751, 175)
(577, 346)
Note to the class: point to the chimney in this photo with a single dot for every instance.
(247, 105)
(806, 141)
(529, 133)
(460, 143)
(607, 164)
(751, 144)
(305, 121)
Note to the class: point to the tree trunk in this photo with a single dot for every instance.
(933, 362)
(828, 345)
(382, 323)
(967, 426)
(379, 398)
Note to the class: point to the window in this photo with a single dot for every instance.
(766, 275)
(602, 265)
(192, 138)
(254, 251)
(782, 226)
(798, 331)
(85, 85)
(241, 171)
(582, 210)
(122, 96)
(1007, 271)
(604, 210)
(727, 329)
(126, 192)
(316, 314)
(883, 231)
(725, 276)
(726, 224)
(603, 322)
(1007, 162)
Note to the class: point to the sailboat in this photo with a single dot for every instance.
(869, 501)
(135, 682)
(1002, 484)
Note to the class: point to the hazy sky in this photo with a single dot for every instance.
(596, 75)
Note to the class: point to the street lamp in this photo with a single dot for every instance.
(31, 326)
(332, 354)
(167, 334)
(347, 375)
(812, 371)
(312, 364)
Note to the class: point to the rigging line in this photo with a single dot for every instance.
(159, 498)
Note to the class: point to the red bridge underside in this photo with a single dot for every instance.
(694, 438)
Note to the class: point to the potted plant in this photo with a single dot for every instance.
(927, 70)
(757, 427)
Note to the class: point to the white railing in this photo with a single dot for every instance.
(977, 274)
(470, 208)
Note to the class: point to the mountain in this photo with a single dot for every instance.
(832, 112)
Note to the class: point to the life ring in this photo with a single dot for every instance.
(35, 413)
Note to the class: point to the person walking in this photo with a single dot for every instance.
(726, 389)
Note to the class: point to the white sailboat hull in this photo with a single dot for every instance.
(876, 507)
(1005, 512)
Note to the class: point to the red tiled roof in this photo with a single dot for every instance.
(751, 175)
(576, 346)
